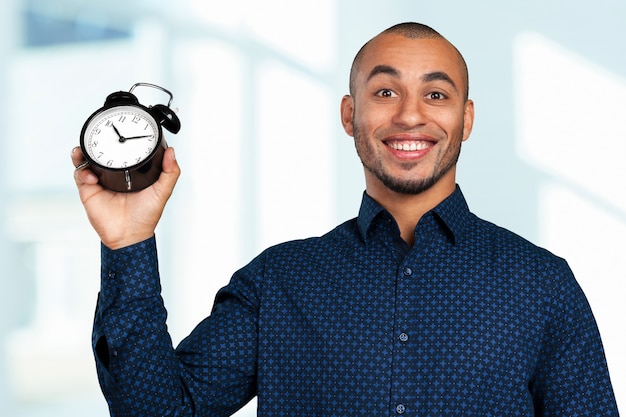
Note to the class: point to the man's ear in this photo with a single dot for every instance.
(347, 114)
(468, 119)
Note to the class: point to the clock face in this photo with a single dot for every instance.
(121, 137)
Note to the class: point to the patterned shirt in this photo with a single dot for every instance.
(470, 321)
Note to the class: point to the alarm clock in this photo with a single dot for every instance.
(123, 141)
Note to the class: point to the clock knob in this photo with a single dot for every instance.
(121, 97)
(166, 117)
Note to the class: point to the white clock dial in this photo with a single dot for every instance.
(121, 137)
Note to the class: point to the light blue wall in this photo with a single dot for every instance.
(502, 184)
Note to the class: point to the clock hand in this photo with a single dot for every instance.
(117, 132)
(139, 137)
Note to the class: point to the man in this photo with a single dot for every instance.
(415, 307)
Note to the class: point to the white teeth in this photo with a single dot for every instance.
(413, 146)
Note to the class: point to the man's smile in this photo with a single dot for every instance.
(409, 146)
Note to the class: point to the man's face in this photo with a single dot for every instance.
(408, 115)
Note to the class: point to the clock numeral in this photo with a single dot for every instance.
(100, 155)
(136, 119)
(110, 163)
(97, 131)
(148, 150)
(121, 119)
(146, 128)
(138, 159)
(94, 144)
(124, 164)
(109, 123)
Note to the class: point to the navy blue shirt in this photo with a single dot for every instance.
(471, 321)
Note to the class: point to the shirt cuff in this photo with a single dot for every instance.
(129, 273)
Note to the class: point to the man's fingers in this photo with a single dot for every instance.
(77, 156)
(82, 175)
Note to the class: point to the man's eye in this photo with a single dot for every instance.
(435, 95)
(386, 93)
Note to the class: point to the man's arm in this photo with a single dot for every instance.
(572, 377)
(139, 371)
(137, 367)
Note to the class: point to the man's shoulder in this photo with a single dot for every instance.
(505, 243)
(345, 234)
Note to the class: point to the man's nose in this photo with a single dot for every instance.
(411, 112)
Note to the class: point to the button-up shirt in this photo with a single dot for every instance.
(471, 320)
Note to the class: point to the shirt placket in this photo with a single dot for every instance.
(407, 355)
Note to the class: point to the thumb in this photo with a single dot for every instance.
(170, 164)
(171, 171)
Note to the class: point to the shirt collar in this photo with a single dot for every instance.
(453, 212)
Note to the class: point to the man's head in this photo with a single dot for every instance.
(408, 110)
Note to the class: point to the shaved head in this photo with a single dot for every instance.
(409, 30)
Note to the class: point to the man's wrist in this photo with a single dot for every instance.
(129, 272)
(127, 241)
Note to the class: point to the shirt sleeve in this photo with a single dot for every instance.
(140, 372)
(572, 378)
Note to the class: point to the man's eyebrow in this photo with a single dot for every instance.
(431, 76)
(438, 76)
(383, 69)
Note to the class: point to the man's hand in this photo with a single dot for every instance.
(122, 219)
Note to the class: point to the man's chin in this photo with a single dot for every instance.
(407, 187)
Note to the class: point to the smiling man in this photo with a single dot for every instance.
(415, 307)
(413, 112)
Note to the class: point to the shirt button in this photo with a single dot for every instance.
(403, 337)
(400, 408)
(408, 272)
(111, 275)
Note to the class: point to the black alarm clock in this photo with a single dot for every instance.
(123, 141)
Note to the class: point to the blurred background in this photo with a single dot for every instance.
(264, 158)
